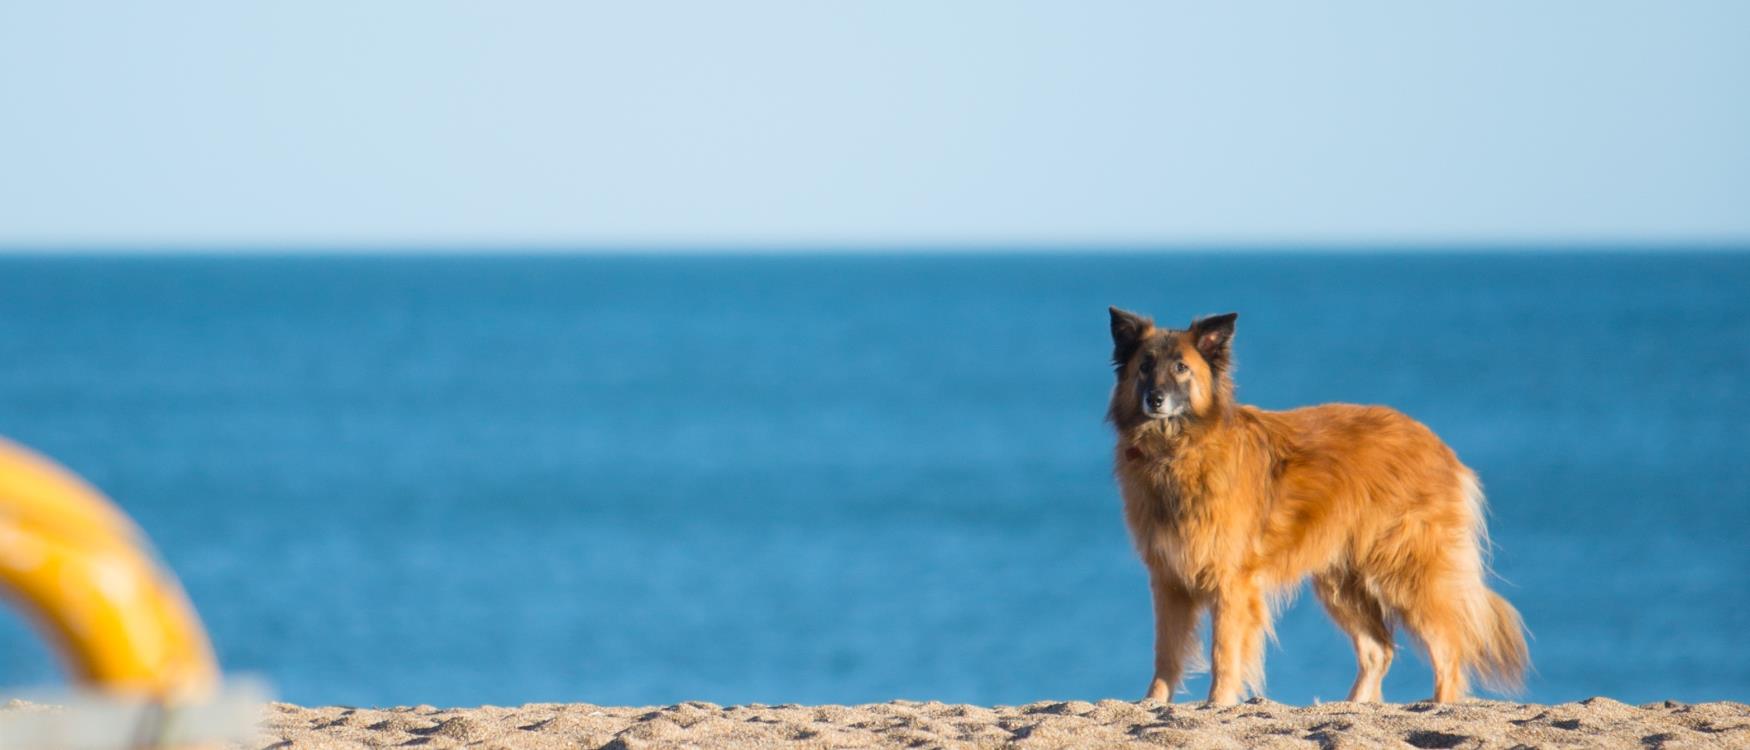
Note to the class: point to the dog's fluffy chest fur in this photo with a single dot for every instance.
(1183, 501)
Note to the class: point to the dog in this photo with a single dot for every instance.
(1231, 507)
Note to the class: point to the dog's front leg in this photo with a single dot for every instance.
(1238, 627)
(1175, 633)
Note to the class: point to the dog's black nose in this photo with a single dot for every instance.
(1156, 399)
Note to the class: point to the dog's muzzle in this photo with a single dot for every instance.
(1160, 404)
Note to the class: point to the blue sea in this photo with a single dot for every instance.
(462, 480)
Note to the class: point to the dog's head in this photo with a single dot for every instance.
(1167, 374)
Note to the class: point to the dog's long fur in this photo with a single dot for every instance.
(1231, 504)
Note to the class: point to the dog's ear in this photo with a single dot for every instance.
(1213, 336)
(1127, 331)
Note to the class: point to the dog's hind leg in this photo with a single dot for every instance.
(1439, 630)
(1175, 634)
(1437, 609)
(1361, 615)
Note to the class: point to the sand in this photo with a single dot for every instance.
(1593, 723)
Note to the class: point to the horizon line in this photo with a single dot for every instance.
(844, 249)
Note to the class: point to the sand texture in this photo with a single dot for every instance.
(1594, 723)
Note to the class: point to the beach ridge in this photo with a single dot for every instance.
(1595, 722)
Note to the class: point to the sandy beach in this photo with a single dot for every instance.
(1592, 723)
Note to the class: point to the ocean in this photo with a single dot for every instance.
(461, 480)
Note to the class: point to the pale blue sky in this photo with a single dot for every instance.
(763, 124)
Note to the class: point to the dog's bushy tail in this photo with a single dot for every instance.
(1495, 650)
(1497, 653)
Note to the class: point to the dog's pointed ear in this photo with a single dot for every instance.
(1213, 336)
(1127, 331)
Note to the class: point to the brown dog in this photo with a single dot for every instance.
(1230, 504)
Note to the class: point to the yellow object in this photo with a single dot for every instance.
(84, 572)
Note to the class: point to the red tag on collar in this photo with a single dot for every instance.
(1133, 453)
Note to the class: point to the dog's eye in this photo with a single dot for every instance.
(1148, 364)
(1180, 368)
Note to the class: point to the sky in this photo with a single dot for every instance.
(656, 125)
